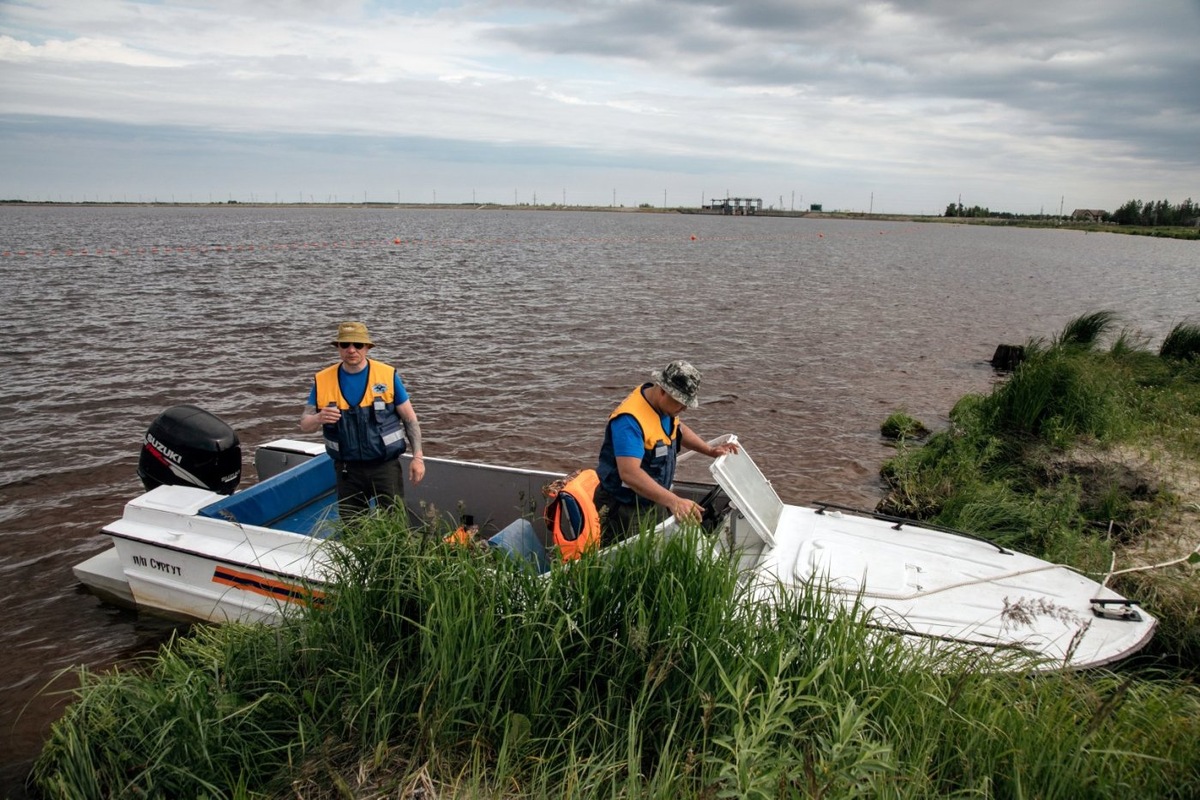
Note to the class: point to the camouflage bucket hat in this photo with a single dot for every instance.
(681, 381)
(352, 332)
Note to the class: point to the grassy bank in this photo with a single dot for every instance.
(441, 672)
(1088, 454)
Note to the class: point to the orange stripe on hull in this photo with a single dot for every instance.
(288, 592)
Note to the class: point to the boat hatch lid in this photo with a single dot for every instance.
(749, 490)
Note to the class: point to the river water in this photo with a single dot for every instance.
(515, 331)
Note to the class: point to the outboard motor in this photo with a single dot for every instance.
(187, 446)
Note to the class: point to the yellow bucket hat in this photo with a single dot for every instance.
(353, 332)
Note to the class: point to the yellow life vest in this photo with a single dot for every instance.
(660, 448)
(648, 419)
(369, 431)
(381, 385)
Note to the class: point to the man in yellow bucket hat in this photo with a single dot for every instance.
(367, 420)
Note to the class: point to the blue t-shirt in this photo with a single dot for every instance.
(627, 436)
(354, 385)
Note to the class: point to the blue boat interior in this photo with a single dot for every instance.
(519, 541)
(300, 500)
(303, 499)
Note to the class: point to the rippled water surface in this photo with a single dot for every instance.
(516, 332)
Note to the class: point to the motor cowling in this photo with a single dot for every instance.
(188, 446)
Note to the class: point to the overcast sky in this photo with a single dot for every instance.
(900, 107)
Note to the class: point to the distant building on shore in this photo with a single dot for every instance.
(1089, 214)
(741, 206)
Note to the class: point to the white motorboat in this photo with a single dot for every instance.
(193, 553)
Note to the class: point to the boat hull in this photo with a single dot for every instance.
(954, 592)
(947, 589)
(191, 554)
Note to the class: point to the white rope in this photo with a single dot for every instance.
(1171, 563)
(866, 592)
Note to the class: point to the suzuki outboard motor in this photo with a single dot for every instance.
(187, 446)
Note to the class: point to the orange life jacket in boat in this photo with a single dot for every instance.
(571, 515)
(465, 533)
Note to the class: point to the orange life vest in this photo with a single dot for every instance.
(571, 515)
(465, 533)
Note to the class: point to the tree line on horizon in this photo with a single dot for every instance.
(1133, 212)
(1158, 212)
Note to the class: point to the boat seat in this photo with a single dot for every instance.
(298, 500)
(317, 519)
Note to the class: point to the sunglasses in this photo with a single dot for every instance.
(355, 345)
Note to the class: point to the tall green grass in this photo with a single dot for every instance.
(641, 674)
(1182, 342)
(1085, 331)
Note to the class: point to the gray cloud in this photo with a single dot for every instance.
(918, 99)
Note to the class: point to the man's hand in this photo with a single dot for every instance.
(724, 449)
(686, 510)
(329, 414)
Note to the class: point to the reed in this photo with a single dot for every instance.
(1182, 342)
(185, 723)
(1085, 331)
(643, 673)
(1058, 394)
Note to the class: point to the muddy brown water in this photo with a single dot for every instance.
(515, 331)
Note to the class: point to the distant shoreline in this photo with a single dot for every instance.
(862, 216)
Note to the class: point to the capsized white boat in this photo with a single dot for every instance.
(193, 553)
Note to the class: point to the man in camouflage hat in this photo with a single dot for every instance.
(361, 406)
(641, 443)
